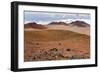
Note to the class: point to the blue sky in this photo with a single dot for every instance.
(47, 17)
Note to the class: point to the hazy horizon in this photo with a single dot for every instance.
(47, 17)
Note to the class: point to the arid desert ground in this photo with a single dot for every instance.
(56, 42)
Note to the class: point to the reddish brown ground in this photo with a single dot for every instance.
(75, 46)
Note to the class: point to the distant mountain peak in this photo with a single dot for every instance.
(34, 25)
(57, 23)
(80, 23)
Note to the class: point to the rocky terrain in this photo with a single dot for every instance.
(56, 41)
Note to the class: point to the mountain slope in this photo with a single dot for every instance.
(80, 24)
(53, 35)
(58, 23)
(34, 25)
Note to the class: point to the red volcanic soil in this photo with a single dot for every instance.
(55, 45)
(34, 25)
(80, 24)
